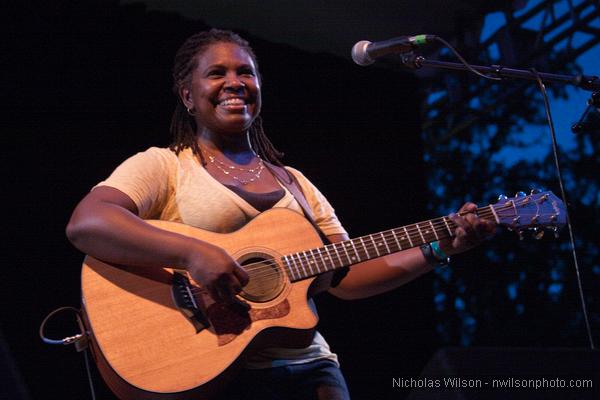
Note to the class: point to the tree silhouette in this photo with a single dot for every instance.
(512, 292)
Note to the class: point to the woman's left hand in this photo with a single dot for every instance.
(471, 230)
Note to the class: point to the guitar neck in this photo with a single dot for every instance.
(333, 256)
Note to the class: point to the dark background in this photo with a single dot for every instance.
(88, 84)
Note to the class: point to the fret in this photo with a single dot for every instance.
(295, 266)
(337, 254)
(301, 265)
(408, 236)
(355, 251)
(315, 261)
(322, 261)
(493, 210)
(364, 247)
(289, 267)
(302, 262)
(316, 257)
(330, 260)
(344, 245)
(421, 233)
(447, 226)
(434, 231)
(396, 239)
(311, 262)
(375, 245)
(385, 242)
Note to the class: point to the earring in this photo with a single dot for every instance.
(190, 112)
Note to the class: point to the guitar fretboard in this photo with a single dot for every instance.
(316, 261)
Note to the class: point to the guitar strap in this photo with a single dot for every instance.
(289, 181)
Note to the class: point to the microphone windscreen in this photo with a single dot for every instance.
(360, 55)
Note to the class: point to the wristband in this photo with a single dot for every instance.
(437, 251)
(431, 258)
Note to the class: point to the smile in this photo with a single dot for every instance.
(233, 102)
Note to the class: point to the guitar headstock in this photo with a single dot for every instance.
(535, 211)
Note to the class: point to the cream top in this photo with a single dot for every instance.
(177, 188)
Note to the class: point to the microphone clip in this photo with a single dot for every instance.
(411, 60)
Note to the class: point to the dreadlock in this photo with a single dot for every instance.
(183, 126)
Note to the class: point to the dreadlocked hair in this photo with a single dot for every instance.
(183, 126)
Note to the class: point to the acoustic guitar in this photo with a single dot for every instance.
(155, 334)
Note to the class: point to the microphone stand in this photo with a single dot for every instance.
(585, 82)
(590, 83)
(593, 102)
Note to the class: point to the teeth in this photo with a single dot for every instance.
(231, 102)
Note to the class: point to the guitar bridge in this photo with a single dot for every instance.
(183, 296)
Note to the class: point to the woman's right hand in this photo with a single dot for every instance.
(220, 274)
(106, 225)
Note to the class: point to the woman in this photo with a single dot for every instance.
(219, 173)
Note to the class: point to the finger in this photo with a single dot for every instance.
(476, 225)
(234, 289)
(484, 228)
(241, 274)
(461, 239)
(234, 286)
(231, 283)
(490, 228)
(461, 222)
(468, 208)
(227, 287)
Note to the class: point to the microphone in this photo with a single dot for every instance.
(364, 52)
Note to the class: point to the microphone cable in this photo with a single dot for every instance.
(465, 62)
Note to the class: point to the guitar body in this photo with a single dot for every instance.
(156, 335)
(147, 346)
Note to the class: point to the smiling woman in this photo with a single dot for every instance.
(205, 77)
(224, 92)
(234, 297)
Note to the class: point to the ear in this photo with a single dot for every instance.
(185, 93)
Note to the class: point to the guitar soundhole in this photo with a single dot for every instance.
(266, 278)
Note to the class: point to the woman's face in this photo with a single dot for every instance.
(225, 90)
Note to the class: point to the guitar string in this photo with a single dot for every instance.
(272, 269)
(390, 237)
(269, 268)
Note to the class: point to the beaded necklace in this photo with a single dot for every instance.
(229, 169)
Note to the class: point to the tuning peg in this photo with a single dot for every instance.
(535, 191)
(538, 233)
(520, 194)
(521, 235)
(555, 230)
(502, 197)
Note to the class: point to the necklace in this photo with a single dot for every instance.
(229, 169)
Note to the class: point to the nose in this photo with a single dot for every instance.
(233, 81)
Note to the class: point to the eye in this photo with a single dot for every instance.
(247, 71)
(215, 73)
